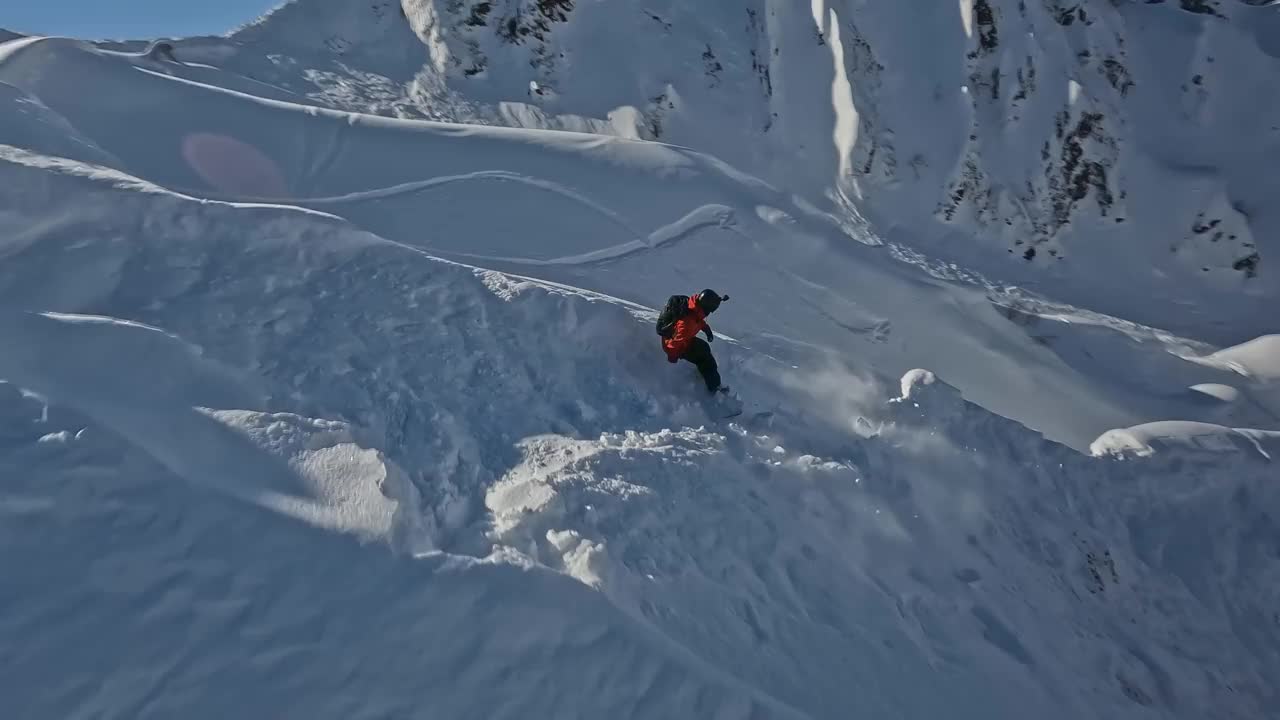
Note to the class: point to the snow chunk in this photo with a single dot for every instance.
(1144, 440)
(348, 485)
(1258, 359)
(581, 558)
(918, 383)
(1225, 393)
(916, 378)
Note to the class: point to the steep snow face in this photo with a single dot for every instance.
(625, 219)
(397, 482)
(311, 412)
(1112, 152)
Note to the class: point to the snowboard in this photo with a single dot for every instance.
(750, 417)
(726, 405)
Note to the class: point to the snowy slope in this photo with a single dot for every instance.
(319, 413)
(1112, 153)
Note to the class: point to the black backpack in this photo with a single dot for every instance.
(677, 307)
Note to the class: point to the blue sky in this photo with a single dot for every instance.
(129, 19)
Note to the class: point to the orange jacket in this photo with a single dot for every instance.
(687, 327)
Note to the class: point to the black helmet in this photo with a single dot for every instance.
(708, 300)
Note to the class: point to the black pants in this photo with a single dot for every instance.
(699, 353)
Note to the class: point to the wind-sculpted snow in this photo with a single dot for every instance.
(312, 413)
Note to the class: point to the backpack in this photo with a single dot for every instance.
(677, 307)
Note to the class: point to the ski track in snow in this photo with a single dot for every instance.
(404, 442)
(422, 186)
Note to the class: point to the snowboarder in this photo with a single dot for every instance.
(679, 324)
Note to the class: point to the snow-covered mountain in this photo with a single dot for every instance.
(1091, 142)
(328, 386)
